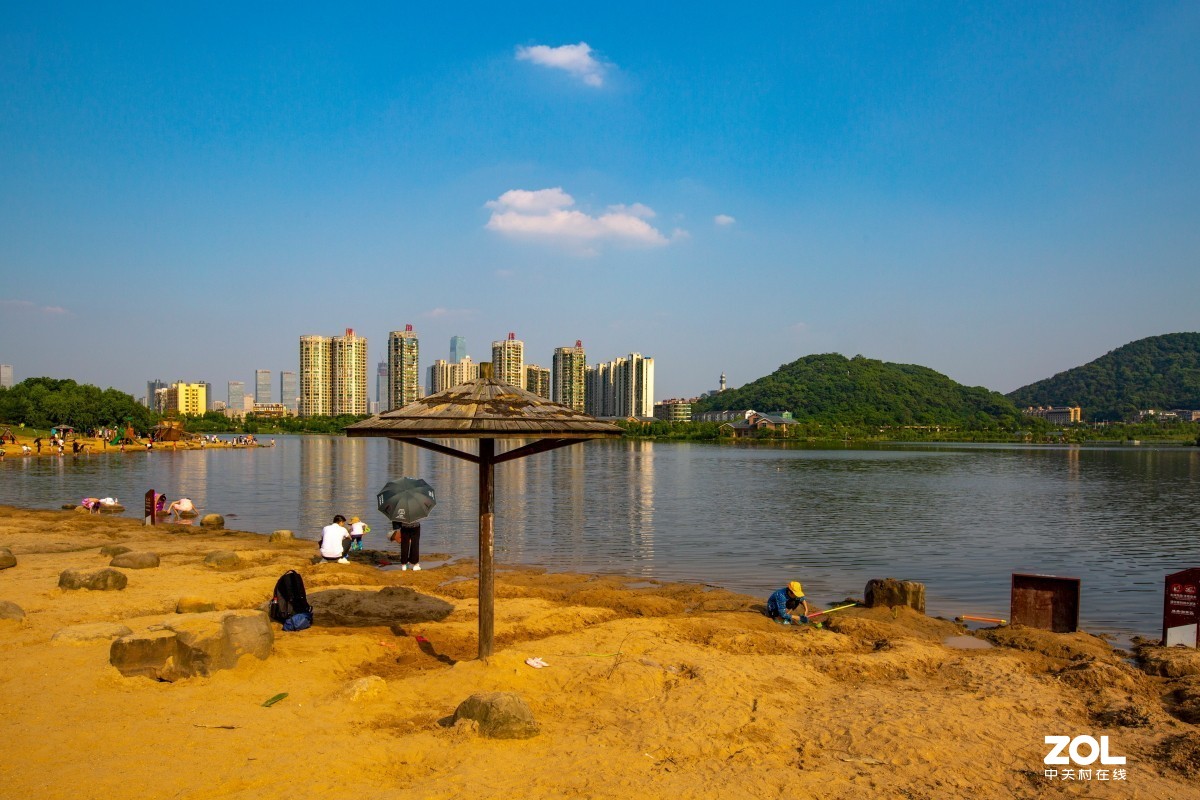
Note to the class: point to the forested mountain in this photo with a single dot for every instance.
(836, 389)
(1160, 372)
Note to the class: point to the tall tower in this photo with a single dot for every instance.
(289, 390)
(508, 361)
(316, 362)
(262, 386)
(152, 388)
(348, 374)
(537, 380)
(623, 387)
(570, 373)
(458, 349)
(6, 376)
(235, 397)
(722, 381)
(404, 378)
(381, 385)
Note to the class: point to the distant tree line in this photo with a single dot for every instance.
(43, 403)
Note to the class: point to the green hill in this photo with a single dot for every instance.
(835, 389)
(1161, 372)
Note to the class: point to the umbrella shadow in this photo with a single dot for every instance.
(388, 607)
(426, 646)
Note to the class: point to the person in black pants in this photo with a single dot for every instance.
(409, 536)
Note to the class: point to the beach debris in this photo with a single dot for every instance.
(91, 632)
(536, 663)
(223, 559)
(974, 618)
(282, 536)
(135, 560)
(222, 727)
(114, 549)
(891, 592)
(194, 645)
(501, 715)
(809, 618)
(105, 580)
(7, 559)
(273, 700)
(212, 521)
(9, 610)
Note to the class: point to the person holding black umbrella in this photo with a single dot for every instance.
(408, 534)
(406, 501)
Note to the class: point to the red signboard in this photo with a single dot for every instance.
(1181, 607)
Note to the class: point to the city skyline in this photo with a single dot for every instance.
(998, 193)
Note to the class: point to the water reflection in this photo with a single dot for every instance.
(959, 518)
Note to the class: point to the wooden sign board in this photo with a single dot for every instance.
(151, 498)
(1048, 602)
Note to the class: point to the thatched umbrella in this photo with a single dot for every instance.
(487, 410)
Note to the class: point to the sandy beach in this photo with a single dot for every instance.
(652, 689)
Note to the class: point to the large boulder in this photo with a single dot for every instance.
(105, 580)
(212, 521)
(891, 593)
(501, 715)
(194, 645)
(9, 610)
(7, 559)
(135, 560)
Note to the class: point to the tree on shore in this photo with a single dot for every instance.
(46, 402)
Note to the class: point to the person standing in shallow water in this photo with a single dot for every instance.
(408, 534)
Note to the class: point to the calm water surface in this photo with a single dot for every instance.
(959, 518)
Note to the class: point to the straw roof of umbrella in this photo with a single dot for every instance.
(485, 408)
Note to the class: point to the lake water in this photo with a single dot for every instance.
(959, 518)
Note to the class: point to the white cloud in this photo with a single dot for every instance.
(448, 313)
(575, 59)
(31, 306)
(724, 219)
(547, 215)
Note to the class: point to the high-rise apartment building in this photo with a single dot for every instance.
(348, 373)
(6, 376)
(316, 396)
(569, 379)
(443, 374)
(403, 372)
(623, 387)
(537, 380)
(262, 386)
(187, 398)
(289, 391)
(236, 397)
(508, 361)
(208, 395)
(152, 388)
(458, 349)
(381, 383)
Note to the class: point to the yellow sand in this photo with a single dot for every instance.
(673, 691)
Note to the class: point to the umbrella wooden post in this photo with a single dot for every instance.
(487, 567)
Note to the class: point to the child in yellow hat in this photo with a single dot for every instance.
(358, 529)
(783, 602)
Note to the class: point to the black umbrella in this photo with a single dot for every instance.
(406, 499)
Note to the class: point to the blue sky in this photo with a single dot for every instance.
(996, 191)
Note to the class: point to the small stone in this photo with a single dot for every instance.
(135, 560)
(102, 581)
(222, 559)
(84, 634)
(372, 687)
(115, 508)
(114, 549)
(501, 715)
(70, 506)
(212, 521)
(282, 536)
(10, 610)
(7, 559)
(194, 605)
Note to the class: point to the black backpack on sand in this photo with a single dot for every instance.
(290, 598)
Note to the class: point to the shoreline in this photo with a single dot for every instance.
(653, 689)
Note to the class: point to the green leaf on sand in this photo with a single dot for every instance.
(275, 699)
